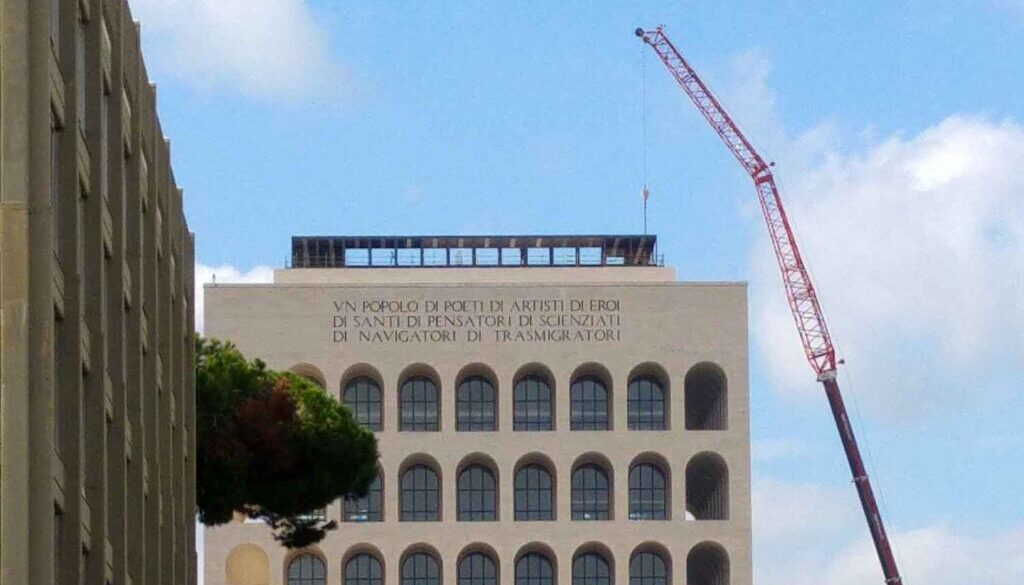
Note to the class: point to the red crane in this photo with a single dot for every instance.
(803, 300)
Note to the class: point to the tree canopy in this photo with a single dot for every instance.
(273, 446)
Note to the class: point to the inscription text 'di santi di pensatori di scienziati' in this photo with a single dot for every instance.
(384, 321)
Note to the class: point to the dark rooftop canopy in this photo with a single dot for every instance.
(483, 251)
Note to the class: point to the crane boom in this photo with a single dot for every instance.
(803, 300)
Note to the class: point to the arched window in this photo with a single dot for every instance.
(707, 487)
(369, 508)
(421, 569)
(477, 494)
(533, 493)
(647, 568)
(475, 405)
(307, 569)
(420, 495)
(647, 493)
(706, 398)
(591, 569)
(591, 496)
(418, 406)
(534, 569)
(646, 404)
(589, 404)
(362, 397)
(364, 569)
(707, 564)
(533, 407)
(478, 568)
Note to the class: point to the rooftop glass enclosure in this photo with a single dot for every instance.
(479, 251)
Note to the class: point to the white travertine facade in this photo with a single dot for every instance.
(608, 336)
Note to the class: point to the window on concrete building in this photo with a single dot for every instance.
(533, 409)
(476, 405)
(307, 569)
(707, 487)
(646, 404)
(591, 493)
(534, 497)
(418, 407)
(57, 221)
(364, 569)
(706, 398)
(591, 568)
(648, 493)
(478, 568)
(369, 508)
(707, 564)
(420, 498)
(477, 495)
(421, 568)
(589, 405)
(362, 397)
(80, 56)
(647, 568)
(534, 569)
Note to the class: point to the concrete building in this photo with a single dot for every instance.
(97, 484)
(550, 410)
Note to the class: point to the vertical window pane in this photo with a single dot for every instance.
(477, 569)
(475, 405)
(420, 569)
(532, 407)
(533, 494)
(418, 405)
(590, 569)
(419, 498)
(534, 569)
(369, 508)
(307, 569)
(647, 568)
(364, 569)
(477, 495)
(647, 493)
(363, 399)
(646, 401)
(591, 496)
(589, 405)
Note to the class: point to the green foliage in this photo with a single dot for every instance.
(273, 446)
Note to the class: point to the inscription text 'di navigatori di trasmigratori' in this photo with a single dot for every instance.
(476, 320)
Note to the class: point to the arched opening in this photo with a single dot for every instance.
(363, 568)
(650, 565)
(707, 564)
(706, 400)
(419, 406)
(533, 398)
(477, 566)
(247, 564)
(591, 489)
(647, 398)
(534, 489)
(420, 487)
(649, 489)
(309, 372)
(590, 399)
(307, 569)
(535, 566)
(476, 399)
(369, 508)
(707, 487)
(420, 567)
(477, 493)
(362, 396)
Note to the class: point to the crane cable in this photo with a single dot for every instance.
(645, 193)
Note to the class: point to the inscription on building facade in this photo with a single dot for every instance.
(400, 321)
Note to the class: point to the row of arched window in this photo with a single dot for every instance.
(706, 564)
(533, 398)
(534, 498)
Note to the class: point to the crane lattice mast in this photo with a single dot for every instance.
(803, 300)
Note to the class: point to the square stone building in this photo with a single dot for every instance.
(549, 409)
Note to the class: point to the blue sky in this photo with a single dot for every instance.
(898, 130)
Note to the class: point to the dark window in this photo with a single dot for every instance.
(646, 404)
(56, 223)
(534, 569)
(647, 493)
(420, 495)
(475, 405)
(589, 408)
(477, 494)
(477, 569)
(364, 569)
(647, 568)
(590, 569)
(418, 405)
(307, 569)
(707, 564)
(421, 569)
(705, 400)
(362, 397)
(591, 497)
(533, 494)
(707, 487)
(368, 508)
(533, 408)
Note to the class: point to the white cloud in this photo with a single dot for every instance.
(225, 274)
(266, 49)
